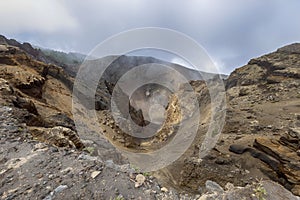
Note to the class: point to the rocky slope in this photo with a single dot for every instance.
(260, 138)
(271, 90)
(43, 157)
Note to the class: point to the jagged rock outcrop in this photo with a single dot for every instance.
(265, 96)
(285, 151)
(281, 66)
(263, 105)
(40, 92)
(5, 88)
(58, 136)
(24, 103)
(59, 119)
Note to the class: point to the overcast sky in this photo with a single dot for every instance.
(231, 31)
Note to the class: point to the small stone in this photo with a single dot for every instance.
(67, 170)
(140, 179)
(131, 175)
(53, 149)
(48, 187)
(60, 188)
(163, 189)
(116, 191)
(51, 176)
(229, 186)
(213, 187)
(295, 132)
(204, 197)
(296, 190)
(222, 161)
(95, 174)
(86, 157)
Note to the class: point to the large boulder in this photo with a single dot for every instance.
(284, 150)
(263, 190)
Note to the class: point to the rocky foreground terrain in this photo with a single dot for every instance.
(43, 157)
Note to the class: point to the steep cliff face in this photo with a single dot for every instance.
(260, 138)
(39, 90)
(265, 105)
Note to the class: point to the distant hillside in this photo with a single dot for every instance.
(122, 64)
(70, 62)
(62, 57)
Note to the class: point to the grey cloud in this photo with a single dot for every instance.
(44, 16)
(231, 31)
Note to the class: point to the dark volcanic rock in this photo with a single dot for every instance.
(59, 119)
(24, 103)
(289, 161)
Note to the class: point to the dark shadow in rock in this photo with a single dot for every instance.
(24, 103)
(59, 119)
